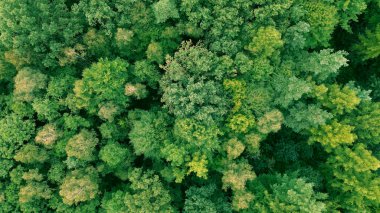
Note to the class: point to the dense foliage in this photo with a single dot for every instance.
(189, 106)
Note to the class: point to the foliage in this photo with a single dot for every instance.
(270, 122)
(283, 193)
(324, 64)
(236, 176)
(332, 135)
(114, 154)
(33, 191)
(82, 145)
(146, 134)
(289, 89)
(40, 38)
(352, 174)
(28, 82)
(164, 10)
(205, 199)
(147, 193)
(265, 42)
(189, 106)
(31, 154)
(234, 148)
(322, 18)
(79, 186)
(14, 132)
(103, 82)
(303, 117)
(367, 122)
(191, 84)
(338, 99)
(369, 44)
(351, 11)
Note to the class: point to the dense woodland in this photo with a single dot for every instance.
(190, 106)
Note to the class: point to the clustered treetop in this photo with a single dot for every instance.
(189, 106)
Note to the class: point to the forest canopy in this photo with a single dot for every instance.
(190, 106)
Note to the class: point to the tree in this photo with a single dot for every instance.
(164, 10)
(14, 132)
(234, 148)
(148, 132)
(252, 142)
(96, 42)
(74, 122)
(138, 91)
(47, 136)
(28, 83)
(114, 202)
(147, 193)
(303, 117)
(353, 177)
(205, 199)
(241, 200)
(289, 89)
(7, 70)
(349, 12)
(238, 90)
(123, 37)
(60, 86)
(58, 205)
(5, 166)
(324, 64)
(368, 47)
(34, 191)
(31, 154)
(333, 135)
(97, 13)
(113, 131)
(240, 123)
(114, 154)
(146, 72)
(196, 135)
(265, 42)
(82, 145)
(339, 99)
(193, 145)
(79, 186)
(219, 22)
(322, 18)
(367, 122)
(285, 193)
(237, 175)
(38, 40)
(155, 52)
(295, 37)
(270, 122)
(108, 112)
(103, 82)
(191, 84)
(198, 165)
(56, 173)
(46, 109)
(189, 106)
